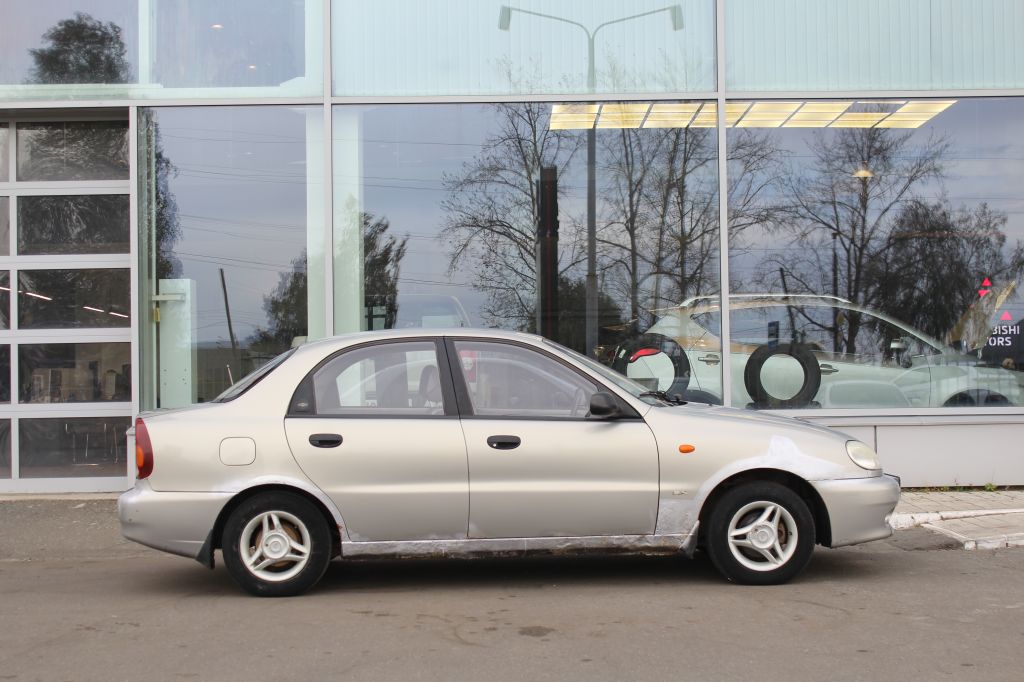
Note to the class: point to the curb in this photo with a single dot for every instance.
(994, 542)
(905, 521)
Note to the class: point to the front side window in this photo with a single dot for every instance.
(394, 379)
(510, 381)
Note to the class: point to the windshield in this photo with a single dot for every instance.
(252, 378)
(633, 388)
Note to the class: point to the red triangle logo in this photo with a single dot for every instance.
(982, 292)
(986, 283)
(1006, 316)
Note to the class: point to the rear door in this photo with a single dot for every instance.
(377, 429)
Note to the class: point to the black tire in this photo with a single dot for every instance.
(664, 344)
(291, 520)
(791, 545)
(800, 353)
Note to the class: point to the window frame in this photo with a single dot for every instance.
(628, 412)
(305, 391)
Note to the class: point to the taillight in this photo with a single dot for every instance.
(643, 352)
(143, 449)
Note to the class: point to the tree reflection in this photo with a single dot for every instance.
(81, 50)
(492, 212)
(287, 306)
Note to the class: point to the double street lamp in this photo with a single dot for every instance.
(504, 23)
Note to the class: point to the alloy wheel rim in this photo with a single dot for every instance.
(762, 536)
(275, 546)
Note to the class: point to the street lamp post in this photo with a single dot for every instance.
(504, 23)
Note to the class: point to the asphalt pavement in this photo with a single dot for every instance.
(78, 602)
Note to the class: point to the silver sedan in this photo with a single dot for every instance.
(463, 443)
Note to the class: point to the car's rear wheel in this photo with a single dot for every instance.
(760, 534)
(276, 545)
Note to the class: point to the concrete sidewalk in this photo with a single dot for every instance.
(975, 519)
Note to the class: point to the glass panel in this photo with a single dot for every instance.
(5, 374)
(233, 243)
(69, 41)
(5, 299)
(400, 379)
(880, 264)
(823, 45)
(4, 136)
(138, 49)
(73, 151)
(74, 372)
(5, 448)
(73, 447)
(5, 226)
(61, 299)
(507, 381)
(444, 219)
(96, 223)
(464, 47)
(226, 43)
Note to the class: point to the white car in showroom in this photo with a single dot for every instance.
(792, 351)
(460, 443)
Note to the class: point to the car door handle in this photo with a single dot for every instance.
(325, 440)
(828, 369)
(503, 442)
(710, 359)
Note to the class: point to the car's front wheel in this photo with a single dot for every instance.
(276, 545)
(760, 534)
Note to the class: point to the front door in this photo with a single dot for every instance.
(376, 428)
(538, 466)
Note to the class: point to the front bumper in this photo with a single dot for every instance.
(859, 508)
(175, 522)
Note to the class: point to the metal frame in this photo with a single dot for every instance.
(15, 337)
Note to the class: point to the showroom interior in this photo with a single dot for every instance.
(806, 207)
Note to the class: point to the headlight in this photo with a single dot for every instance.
(862, 455)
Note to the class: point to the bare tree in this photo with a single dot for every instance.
(830, 210)
(492, 211)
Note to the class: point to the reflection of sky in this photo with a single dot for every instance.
(23, 25)
(240, 188)
(408, 150)
(985, 162)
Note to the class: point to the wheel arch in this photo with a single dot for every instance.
(822, 523)
(213, 541)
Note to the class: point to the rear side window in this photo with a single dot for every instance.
(391, 379)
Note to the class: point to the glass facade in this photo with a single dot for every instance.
(478, 215)
(558, 168)
(883, 267)
(145, 49)
(66, 263)
(834, 45)
(233, 253)
(488, 47)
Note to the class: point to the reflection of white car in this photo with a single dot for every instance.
(809, 351)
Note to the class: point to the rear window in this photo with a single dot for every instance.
(252, 378)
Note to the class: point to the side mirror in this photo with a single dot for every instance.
(603, 406)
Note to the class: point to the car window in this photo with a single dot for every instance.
(401, 379)
(512, 381)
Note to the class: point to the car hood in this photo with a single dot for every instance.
(735, 414)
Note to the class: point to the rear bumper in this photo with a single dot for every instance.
(859, 508)
(174, 522)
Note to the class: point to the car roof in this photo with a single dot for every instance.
(352, 338)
